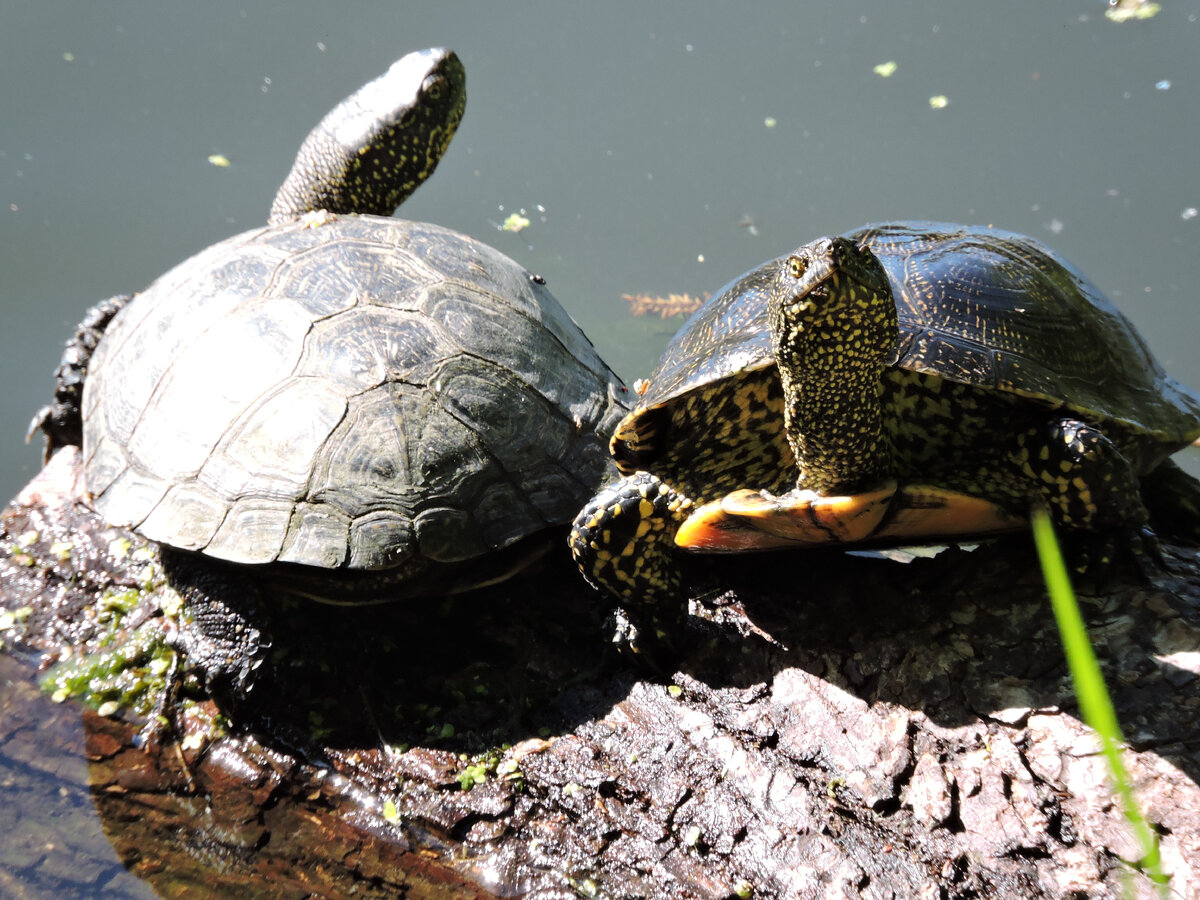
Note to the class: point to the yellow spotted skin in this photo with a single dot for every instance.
(967, 358)
(711, 442)
(833, 326)
(380, 143)
(1015, 453)
(626, 533)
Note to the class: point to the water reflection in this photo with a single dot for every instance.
(54, 846)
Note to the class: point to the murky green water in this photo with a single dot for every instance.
(656, 147)
(633, 134)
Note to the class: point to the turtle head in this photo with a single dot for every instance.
(380, 143)
(832, 295)
(833, 330)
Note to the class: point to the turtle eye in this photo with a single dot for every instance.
(797, 266)
(434, 87)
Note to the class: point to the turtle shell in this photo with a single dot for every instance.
(347, 392)
(979, 306)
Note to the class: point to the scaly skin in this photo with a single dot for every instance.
(833, 326)
(379, 144)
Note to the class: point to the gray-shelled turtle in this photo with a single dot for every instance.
(355, 407)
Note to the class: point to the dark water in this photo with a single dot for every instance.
(634, 135)
(639, 129)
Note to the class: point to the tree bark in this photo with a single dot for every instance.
(908, 730)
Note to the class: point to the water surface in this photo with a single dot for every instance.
(656, 147)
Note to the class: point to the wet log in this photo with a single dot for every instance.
(910, 731)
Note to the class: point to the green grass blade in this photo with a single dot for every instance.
(1094, 701)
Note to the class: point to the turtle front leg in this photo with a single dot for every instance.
(1081, 476)
(62, 421)
(623, 541)
(1092, 493)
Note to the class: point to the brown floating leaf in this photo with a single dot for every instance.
(663, 307)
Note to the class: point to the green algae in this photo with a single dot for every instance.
(130, 674)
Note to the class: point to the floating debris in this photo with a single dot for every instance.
(886, 70)
(1127, 10)
(220, 160)
(663, 307)
(941, 101)
(770, 122)
(514, 223)
(316, 218)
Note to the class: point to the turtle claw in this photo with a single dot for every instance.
(1096, 559)
(1149, 559)
(656, 647)
(661, 641)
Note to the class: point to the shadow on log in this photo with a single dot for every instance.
(911, 734)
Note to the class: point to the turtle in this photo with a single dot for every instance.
(343, 405)
(903, 382)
